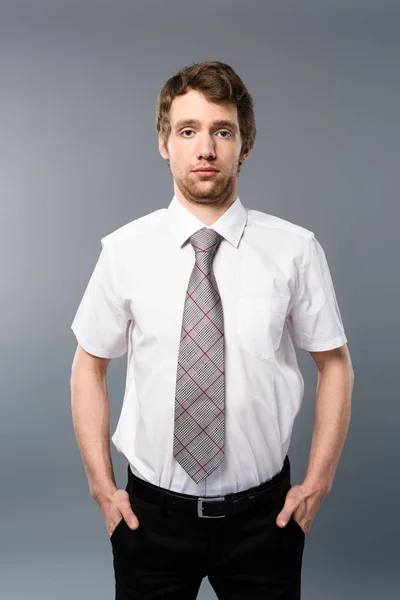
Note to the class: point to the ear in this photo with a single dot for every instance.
(161, 146)
(245, 154)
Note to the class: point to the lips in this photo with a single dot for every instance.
(206, 170)
(206, 174)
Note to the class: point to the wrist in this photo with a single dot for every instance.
(319, 488)
(102, 495)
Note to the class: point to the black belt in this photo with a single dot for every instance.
(212, 506)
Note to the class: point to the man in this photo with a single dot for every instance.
(199, 296)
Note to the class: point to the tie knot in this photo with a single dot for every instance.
(205, 240)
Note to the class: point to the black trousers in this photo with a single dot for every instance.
(245, 555)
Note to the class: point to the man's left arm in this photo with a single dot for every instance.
(331, 422)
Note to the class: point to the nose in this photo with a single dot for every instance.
(205, 149)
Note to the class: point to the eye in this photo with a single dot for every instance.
(191, 131)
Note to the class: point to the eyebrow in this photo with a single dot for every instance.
(221, 123)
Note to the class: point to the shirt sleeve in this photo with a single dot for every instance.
(101, 323)
(315, 316)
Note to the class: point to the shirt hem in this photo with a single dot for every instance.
(91, 349)
(321, 345)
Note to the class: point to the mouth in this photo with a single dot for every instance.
(206, 172)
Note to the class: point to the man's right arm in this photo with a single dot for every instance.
(91, 419)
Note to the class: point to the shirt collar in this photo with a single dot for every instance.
(184, 223)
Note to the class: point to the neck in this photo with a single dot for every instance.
(207, 212)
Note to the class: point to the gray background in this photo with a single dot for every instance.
(79, 158)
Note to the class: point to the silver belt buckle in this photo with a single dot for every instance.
(200, 507)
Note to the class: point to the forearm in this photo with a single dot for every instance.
(91, 420)
(331, 422)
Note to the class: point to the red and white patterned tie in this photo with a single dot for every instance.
(199, 435)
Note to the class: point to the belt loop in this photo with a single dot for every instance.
(163, 503)
(234, 505)
(287, 466)
(251, 501)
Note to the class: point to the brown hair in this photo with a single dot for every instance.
(219, 83)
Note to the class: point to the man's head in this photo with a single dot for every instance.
(205, 118)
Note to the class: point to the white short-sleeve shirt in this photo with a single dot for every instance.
(270, 272)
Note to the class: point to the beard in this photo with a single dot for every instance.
(215, 190)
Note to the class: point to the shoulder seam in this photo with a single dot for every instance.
(306, 260)
(108, 249)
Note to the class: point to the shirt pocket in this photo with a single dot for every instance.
(260, 321)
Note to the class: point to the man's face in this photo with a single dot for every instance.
(203, 134)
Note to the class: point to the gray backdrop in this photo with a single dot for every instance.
(79, 158)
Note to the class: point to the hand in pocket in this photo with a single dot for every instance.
(119, 507)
